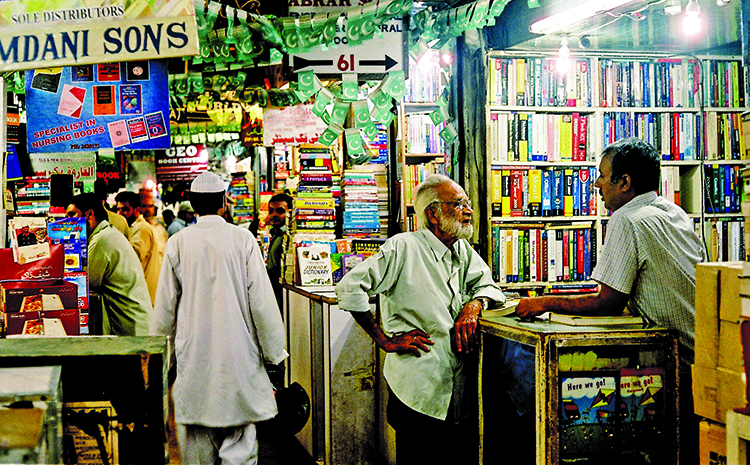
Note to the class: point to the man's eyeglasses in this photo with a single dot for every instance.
(279, 210)
(458, 205)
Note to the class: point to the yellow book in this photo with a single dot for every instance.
(520, 81)
(568, 192)
(566, 138)
(523, 137)
(740, 134)
(535, 192)
(727, 126)
(497, 186)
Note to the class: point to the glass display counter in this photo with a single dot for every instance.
(114, 394)
(551, 393)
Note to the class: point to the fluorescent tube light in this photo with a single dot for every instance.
(578, 13)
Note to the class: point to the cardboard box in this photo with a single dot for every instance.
(730, 347)
(44, 323)
(713, 443)
(15, 293)
(717, 298)
(717, 390)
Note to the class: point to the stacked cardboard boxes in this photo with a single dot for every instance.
(718, 373)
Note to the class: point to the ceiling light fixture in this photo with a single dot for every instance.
(691, 24)
(673, 7)
(575, 15)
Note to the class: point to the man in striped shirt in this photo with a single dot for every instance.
(648, 260)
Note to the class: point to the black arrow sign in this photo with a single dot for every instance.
(388, 62)
(300, 63)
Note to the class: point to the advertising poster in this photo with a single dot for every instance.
(291, 125)
(81, 32)
(93, 107)
(181, 163)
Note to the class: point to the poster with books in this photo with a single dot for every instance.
(587, 417)
(315, 265)
(72, 234)
(28, 238)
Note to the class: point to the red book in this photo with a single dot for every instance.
(516, 193)
(576, 127)
(545, 269)
(538, 253)
(566, 255)
(581, 142)
(581, 254)
(676, 132)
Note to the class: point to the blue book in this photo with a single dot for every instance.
(728, 193)
(587, 254)
(547, 180)
(557, 197)
(585, 191)
(576, 192)
(646, 87)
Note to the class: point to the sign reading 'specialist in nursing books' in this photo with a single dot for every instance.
(123, 106)
(75, 32)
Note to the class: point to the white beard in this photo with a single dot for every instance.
(453, 227)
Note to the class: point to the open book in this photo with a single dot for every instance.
(585, 320)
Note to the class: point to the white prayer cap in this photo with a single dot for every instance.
(207, 182)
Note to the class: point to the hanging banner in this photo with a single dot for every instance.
(71, 32)
(291, 125)
(181, 163)
(92, 107)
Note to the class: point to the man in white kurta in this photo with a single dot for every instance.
(215, 299)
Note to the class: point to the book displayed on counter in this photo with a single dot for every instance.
(73, 235)
(586, 320)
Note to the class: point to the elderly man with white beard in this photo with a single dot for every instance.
(434, 286)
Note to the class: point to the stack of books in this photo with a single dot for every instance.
(241, 191)
(360, 204)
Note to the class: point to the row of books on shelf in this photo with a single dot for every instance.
(528, 191)
(32, 195)
(723, 188)
(538, 82)
(676, 136)
(423, 136)
(242, 192)
(724, 84)
(548, 137)
(426, 79)
(543, 253)
(662, 82)
(725, 136)
(415, 174)
(725, 239)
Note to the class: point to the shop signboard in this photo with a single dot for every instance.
(92, 107)
(291, 126)
(78, 32)
(181, 163)
(82, 165)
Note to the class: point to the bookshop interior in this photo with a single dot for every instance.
(322, 121)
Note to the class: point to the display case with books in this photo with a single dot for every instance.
(546, 130)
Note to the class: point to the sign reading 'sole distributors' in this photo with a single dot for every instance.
(77, 32)
(92, 107)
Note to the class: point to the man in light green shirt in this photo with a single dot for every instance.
(434, 286)
(114, 271)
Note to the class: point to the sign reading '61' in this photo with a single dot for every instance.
(371, 59)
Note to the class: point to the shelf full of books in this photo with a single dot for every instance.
(547, 128)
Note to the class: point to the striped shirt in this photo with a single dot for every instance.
(650, 253)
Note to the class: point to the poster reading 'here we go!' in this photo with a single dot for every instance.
(124, 106)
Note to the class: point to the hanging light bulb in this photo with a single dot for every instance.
(691, 24)
(563, 57)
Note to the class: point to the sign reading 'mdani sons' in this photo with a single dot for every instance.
(74, 34)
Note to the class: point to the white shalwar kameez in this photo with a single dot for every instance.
(215, 299)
